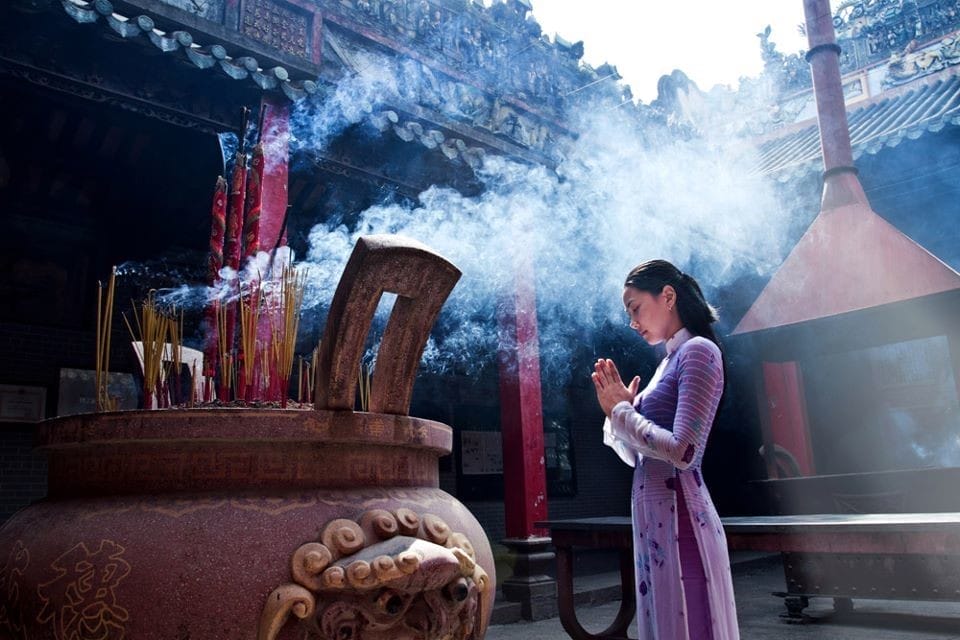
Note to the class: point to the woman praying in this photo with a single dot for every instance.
(683, 581)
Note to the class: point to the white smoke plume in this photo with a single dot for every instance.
(614, 201)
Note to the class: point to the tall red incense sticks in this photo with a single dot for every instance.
(218, 227)
(238, 183)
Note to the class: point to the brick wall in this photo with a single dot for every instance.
(32, 356)
(23, 472)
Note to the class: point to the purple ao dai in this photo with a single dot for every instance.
(663, 435)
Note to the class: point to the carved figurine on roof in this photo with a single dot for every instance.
(785, 73)
(873, 30)
(916, 62)
(467, 53)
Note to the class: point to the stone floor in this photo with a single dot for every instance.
(759, 612)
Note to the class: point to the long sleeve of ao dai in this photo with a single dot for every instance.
(698, 380)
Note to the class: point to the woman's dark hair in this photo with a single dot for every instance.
(696, 314)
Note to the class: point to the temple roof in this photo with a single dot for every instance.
(924, 106)
(181, 43)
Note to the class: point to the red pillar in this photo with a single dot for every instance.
(524, 472)
(788, 424)
(521, 410)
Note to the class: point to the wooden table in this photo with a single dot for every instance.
(593, 533)
(901, 556)
(891, 556)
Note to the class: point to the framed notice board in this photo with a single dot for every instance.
(479, 453)
(22, 404)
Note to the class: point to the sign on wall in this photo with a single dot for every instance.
(479, 451)
(22, 404)
(78, 392)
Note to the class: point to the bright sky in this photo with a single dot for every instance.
(712, 41)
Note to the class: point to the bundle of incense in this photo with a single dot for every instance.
(233, 242)
(151, 334)
(363, 385)
(253, 204)
(266, 374)
(308, 379)
(104, 331)
(218, 228)
(228, 379)
(249, 322)
(286, 324)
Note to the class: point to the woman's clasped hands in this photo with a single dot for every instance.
(610, 388)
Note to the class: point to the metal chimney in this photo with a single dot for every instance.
(841, 186)
(850, 258)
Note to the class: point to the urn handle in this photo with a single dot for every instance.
(422, 281)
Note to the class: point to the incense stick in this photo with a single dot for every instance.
(249, 320)
(363, 379)
(225, 353)
(104, 333)
(176, 356)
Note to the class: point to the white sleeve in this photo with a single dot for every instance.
(621, 448)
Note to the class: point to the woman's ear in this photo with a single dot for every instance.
(669, 296)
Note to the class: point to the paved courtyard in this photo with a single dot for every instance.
(759, 615)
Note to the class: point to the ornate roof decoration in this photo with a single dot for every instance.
(916, 39)
(912, 36)
(870, 31)
(487, 69)
(181, 43)
(489, 118)
(788, 72)
(915, 63)
(498, 46)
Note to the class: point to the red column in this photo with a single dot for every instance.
(789, 427)
(521, 410)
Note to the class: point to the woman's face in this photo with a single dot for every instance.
(654, 317)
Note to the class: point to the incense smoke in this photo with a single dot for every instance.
(620, 195)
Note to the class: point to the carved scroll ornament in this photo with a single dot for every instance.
(388, 575)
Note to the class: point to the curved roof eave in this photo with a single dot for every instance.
(211, 56)
(880, 124)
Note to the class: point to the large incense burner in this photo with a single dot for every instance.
(258, 523)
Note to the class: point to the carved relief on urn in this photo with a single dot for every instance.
(390, 575)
